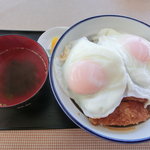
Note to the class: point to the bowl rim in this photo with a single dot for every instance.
(57, 96)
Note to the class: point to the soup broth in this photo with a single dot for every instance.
(22, 72)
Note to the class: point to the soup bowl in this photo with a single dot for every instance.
(23, 70)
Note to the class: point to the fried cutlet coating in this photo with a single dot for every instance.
(131, 98)
(131, 111)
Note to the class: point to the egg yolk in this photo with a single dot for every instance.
(139, 48)
(86, 77)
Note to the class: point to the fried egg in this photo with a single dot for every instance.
(95, 77)
(135, 52)
(97, 74)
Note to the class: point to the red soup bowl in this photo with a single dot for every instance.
(23, 70)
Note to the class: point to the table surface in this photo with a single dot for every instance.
(42, 15)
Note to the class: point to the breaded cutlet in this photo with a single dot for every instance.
(131, 111)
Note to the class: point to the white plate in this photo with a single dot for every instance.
(46, 38)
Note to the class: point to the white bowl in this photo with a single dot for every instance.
(84, 28)
(46, 38)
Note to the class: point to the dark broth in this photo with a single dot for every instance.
(22, 72)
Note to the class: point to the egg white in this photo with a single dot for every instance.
(105, 101)
(138, 84)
